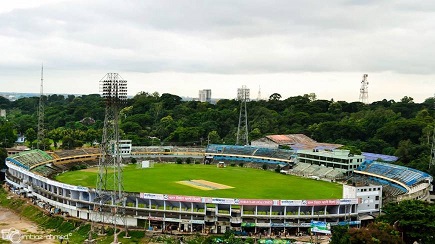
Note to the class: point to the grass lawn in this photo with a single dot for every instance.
(247, 182)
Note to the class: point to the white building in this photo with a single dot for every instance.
(337, 159)
(370, 197)
(205, 95)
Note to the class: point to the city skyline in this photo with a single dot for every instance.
(287, 47)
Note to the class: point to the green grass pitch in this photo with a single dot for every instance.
(247, 182)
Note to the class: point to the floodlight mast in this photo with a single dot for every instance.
(243, 95)
(114, 92)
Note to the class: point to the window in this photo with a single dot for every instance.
(376, 206)
(377, 198)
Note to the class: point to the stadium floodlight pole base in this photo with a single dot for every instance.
(87, 241)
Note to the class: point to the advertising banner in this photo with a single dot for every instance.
(152, 196)
(183, 198)
(349, 201)
(259, 202)
(224, 201)
(320, 227)
(320, 202)
(291, 202)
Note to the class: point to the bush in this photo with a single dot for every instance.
(233, 165)
(179, 161)
(188, 160)
(241, 165)
(133, 160)
(265, 166)
(74, 168)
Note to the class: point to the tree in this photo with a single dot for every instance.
(375, 233)
(30, 136)
(340, 234)
(7, 134)
(3, 156)
(213, 137)
(413, 218)
(275, 97)
(407, 99)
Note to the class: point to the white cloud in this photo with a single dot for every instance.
(189, 43)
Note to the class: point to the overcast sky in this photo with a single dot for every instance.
(180, 47)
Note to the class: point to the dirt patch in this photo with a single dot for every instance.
(204, 185)
(20, 228)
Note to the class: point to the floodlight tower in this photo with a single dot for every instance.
(114, 91)
(41, 133)
(363, 91)
(242, 130)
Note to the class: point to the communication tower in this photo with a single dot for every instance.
(242, 130)
(432, 155)
(114, 91)
(259, 94)
(363, 91)
(41, 132)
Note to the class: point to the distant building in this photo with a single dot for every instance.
(20, 139)
(3, 113)
(125, 147)
(205, 95)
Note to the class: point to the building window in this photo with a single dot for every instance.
(377, 198)
(376, 206)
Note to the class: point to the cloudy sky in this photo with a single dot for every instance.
(179, 47)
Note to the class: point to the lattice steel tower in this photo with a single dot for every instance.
(242, 130)
(110, 190)
(363, 91)
(41, 130)
(432, 155)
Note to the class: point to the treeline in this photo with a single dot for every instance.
(402, 128)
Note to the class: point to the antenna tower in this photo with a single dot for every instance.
(110, 204)
(363, 91)
(432, 155)
(242, 130)
(41, 133)
(259, 94)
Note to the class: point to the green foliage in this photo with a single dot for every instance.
(151, 119)
(3, 156)
(413, 218)
(265, 167)
(7, 134)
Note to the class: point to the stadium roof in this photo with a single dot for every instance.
(300, 141)
(376, 157)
